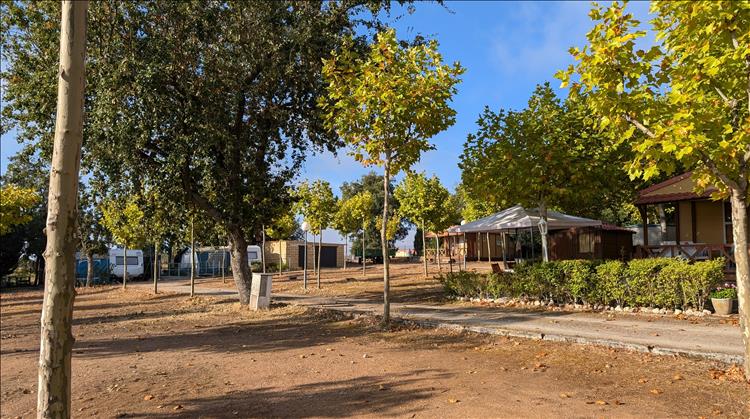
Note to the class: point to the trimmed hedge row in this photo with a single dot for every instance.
(660, 282)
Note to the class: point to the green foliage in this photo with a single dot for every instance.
(611, 284)
(666, 283)
(704, 276)
(354, 213)
(724, 293)
(426, 200)
(371, 183)
(683, 100)
(389, 102)
(16, 206)
(548, 154)
(182, 94)
(316, 203)
(124, 220)
(283, 227)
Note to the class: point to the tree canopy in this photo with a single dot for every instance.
(16, 206)
(684, 99)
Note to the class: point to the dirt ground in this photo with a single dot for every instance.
(144, 355)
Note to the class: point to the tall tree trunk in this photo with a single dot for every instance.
(384, 243)
(263, 248)
(437, 252)
(156, 268)
(424, 251)
(89, 268)
(320, 250)
(739, 233)
(240, 268)
(125, 267)
(192, 256)
(364, 254)
(223, 265)
(543, 215)
(56, 337)
(346, 245)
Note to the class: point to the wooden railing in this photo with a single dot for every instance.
(691, 252)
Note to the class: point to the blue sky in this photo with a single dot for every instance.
(506, 47)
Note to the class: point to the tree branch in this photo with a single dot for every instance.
(640, 126)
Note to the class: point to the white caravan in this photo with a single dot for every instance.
(134, 265)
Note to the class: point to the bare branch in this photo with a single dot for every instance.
(640, 126)
(730, 102)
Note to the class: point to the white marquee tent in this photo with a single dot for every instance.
(518, 217)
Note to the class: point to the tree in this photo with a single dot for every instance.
(357, 210)
(372, 184)
(443, 211)
(547, 154)
(224, 115)
(91, 234)
(16, 205)
(346, 221)
(387, 104)
(684, 99)
(54, 388)
(420, 200)
(124, 220)
(316, 203)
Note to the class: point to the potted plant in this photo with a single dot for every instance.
(722, 298)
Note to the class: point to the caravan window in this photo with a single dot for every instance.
(132, 260)
(252, 255)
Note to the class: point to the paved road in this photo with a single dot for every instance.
(659, 335)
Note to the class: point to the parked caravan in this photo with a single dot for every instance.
(134, 262)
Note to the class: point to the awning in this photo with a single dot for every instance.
(519, 217)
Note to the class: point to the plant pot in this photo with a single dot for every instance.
(722, 306)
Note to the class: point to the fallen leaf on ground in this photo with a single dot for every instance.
(677, 377)
(565, 395)
(453, 400)
(601, 402)
(148, 397)
(656, 391)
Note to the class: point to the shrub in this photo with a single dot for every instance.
(668, 291)
(578, 280)
(703, 276)
(641, 276)
(611, 285)
(653, 282)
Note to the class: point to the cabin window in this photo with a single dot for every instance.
(132, 260)
(728, 223)
(585, 242)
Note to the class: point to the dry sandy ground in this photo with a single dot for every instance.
(140, 355)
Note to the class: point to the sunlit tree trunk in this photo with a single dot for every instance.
(437, 252)
(346, 245)
(240, 267)
(320, 250)
(543, 215)
(192, 256)
(89, 268)
(156, 268)
(125, 267)
(739, 233)
(424, 251)
(384, 243)
(364, 245)
(56, 337)
(263, 248)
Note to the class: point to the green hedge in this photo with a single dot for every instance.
(660, 282)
